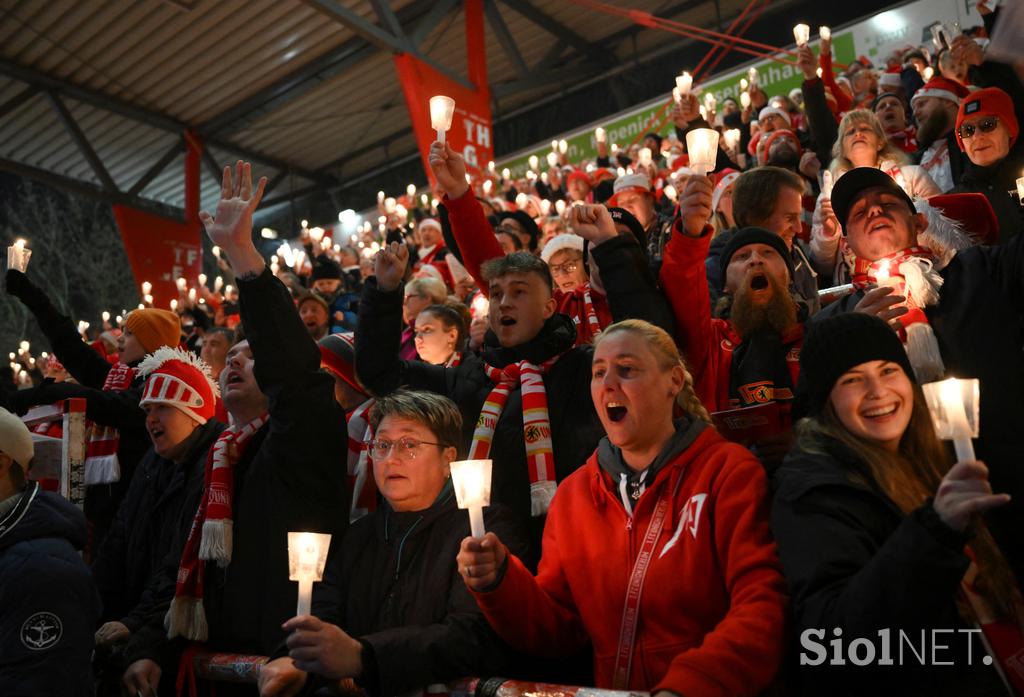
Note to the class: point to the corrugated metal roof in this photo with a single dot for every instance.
(192, 60)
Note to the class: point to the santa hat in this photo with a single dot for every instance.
(559, 243)
(578, 175)
(338, 356)
(430, 222)
(180, 379)
(781, 113)
(724, 180)
(890, 78)
(603, 174)
(782, 133)
(990, 101)
(942, 88)
(957, 221)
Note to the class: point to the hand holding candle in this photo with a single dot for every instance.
(801, 34)
(442, 109)
(954, 407)
(702, 146)
(600, 136)
(18, 255)
(684, 83)
(307, 555)
(472, 482)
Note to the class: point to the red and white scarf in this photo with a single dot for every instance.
(101, 463)
(362, 486)
(536, 426)
(912, 274)
(588, 310)
(209, 539)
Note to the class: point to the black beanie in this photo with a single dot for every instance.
(325, 267)
(753, 235)
(528, 223)
(835, 344)
(623, 217)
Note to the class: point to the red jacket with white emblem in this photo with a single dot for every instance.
(712, 610)
(707, 342)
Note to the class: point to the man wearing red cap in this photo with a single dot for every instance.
(987, 131)
(935, 107)
(633, 193)
(179, 399)
(580, 187)
(958, 313)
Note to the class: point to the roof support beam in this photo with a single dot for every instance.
(80, 140)
(158, 167)
(386, 16)
(17, 100)
(553, 26)
(438, 12)
(508, 44)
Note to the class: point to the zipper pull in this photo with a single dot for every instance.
(629, 523)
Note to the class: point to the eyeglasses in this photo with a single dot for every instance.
(405, 448)
(566, 268)
(986, 125)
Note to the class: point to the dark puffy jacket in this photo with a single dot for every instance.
(997, 184)
(575, 428)
(118, 409)
(291, 477)
(854, 562)
(48, 603)
(393, 584)
(151, 524)
(979, 327)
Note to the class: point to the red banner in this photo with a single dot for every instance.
(471, 133)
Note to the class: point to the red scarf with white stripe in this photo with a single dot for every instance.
(209, 539)
(912, 274)
(101, 463)
(588, 310)
(536, 426)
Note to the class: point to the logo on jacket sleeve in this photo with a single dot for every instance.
(689, 519)
(41, 631)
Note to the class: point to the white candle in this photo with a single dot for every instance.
(147, 287)
(105, 316)
(745, 99)
(174, 304)
(307, 555)
(202, 279)
(410, 190)
(600, 135)
(744, 84)
(554, 146)
(702, 146)
(732, 138)
(753, 76)
(472, 482)
(684, 83)
(645, 157)
(563, 146)
(534, 161)
(1020, 190)
(506, 173)
(928, 73)
(425, 200)
(380, 199)
(560, 206)
(24, 346)
(825, 33)
(801, 33)
(710, 102)
(490, 166)
(948, 401)
(521, 201)
(18, 255)
(390, 204)
(481, 306)
(552, 159)
(442, 109)
(819, 72)
(670, 191)
(488, 185)
(216, 251)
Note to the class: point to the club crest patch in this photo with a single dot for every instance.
(972, 106)
(41, 631)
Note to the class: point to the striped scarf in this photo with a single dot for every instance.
(588, 310)
(912, 274)
(536, 426)
(101, 463)
(209, 539)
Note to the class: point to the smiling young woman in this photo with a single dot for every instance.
(666, 503)
(878, 533)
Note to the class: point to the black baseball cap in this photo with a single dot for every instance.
(849, 187)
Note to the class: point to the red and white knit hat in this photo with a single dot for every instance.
(559, 243)
(632, 182)
(725, 179)
(179, 379)
(775, 111)
(943, 88)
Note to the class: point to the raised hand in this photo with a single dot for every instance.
(480, 560)
(389, 265)
(965, 492)
(967, 50)
(231, 227)
(689, 109)
(829, 221)
(323, 648)
(806, 61)
(449, 169)
(592, 222)
(695, 205)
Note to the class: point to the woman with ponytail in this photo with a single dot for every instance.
(657, 552)
(896, 585)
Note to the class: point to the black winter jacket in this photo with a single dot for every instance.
(855, 562)
(152, 523)
(393, 584)
(118, 409)
(979, 327)
(996, 183)
(48, 603)
(575, 428)
(291, 477)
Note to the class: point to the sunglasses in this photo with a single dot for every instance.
(986, 125)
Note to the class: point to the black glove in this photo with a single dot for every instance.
(21, 401)
(17, 283)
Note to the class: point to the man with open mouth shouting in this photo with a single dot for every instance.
(749, 353)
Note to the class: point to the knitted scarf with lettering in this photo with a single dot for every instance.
(536, 425)
(588, 310)
(101, 464)
(209, 539)
(913, 275)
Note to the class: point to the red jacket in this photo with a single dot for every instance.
(707, 342)
(712, 610)
(478, 244)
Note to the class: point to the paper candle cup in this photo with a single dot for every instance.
(684, 83)
(600, 135)
(307, 556)
(824, 33)
(471, 480)
(954, 406)
(753, 76)
(18, 256)
(563, 146)
(552, 159)
(732, 138)
(442, 109)
(928, 73)
(801, 33)
(744, 84)
(702, 145)
(533, 161)
(645, 157)
(745, 99)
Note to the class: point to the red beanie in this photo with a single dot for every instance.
(179, 379)
(990, 101)
(579, 175)
(775, 135)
